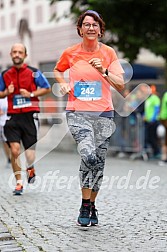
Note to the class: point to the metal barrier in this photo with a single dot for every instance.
(129, 136)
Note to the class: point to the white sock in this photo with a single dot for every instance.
(20, 182)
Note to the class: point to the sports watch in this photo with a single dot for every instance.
(105, 73)
(32, 95)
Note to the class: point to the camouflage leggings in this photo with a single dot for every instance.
(92, 135)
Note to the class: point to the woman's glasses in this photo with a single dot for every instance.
(88, 25)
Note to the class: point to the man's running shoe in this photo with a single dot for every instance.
(18, 190)
(93, 216)
(30, 175)
(84, 216)
(163, 163)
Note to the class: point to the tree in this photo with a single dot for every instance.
(134, 24)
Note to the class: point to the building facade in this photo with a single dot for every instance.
(29, 21)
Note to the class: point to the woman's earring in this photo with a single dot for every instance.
(99, 35)
(81, 34)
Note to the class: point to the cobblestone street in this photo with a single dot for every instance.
(132, 207)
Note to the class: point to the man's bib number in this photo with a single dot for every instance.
(87, 90)
(21, 102)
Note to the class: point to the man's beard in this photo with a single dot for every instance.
(17, 61)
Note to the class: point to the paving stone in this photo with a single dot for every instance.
(131, 204)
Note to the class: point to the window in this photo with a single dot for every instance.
(12, 2)
(52, 10)
(1, 4)
(39, 14)
(2, 23)
(24, 28)
(26, 14)
(13, 20)
(48, 67)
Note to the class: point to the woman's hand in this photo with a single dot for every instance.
(64, 88)
(97, 63)
(116, 81)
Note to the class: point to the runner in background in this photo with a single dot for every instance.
(22, 85)
(3, 117)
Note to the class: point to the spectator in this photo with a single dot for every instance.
(163, 120)
(151, 114)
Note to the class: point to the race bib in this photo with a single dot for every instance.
(88, 90)
(21, 102)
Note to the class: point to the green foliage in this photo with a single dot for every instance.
(133, 23)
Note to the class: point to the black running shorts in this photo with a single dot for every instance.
(22, 128)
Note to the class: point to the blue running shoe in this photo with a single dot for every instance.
(18, 190)
(93, 216)
(84, 216)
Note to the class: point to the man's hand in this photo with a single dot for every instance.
(25, 93)
(10, 89)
